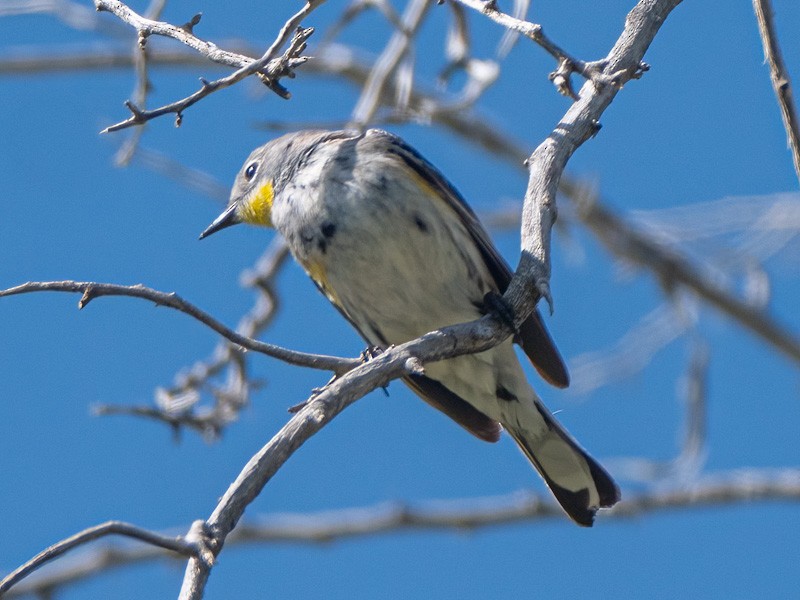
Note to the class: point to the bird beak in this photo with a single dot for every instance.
(226, 219)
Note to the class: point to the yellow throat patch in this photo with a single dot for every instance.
(257, 208)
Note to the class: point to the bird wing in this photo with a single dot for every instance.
(532, 336)
(430, 390)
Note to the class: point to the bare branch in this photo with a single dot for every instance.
(579, 124)
(397, 49)
(142, 87)
(567, 64)
(673, 269)
(322, 408)
(270, 67)
(179, 545)
(780, 77)
(91, 290)
(721, 489)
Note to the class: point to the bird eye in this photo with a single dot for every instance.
(250, 171)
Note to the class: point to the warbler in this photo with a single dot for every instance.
(396, 249)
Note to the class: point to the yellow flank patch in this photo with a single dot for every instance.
(257, 209)
(316, 271)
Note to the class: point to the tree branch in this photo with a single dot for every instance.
(173, 544)
(721, 489)
(780, 77)
(91, 290)
(270, 67)
(580, 123)
(567, 64)
(385, 66)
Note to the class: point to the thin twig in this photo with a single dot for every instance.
(269, 66)
(780, 77)
(91, 290)
(173, 544)
(567, 63)
(142, 87)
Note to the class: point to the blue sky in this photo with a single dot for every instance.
(702, 125)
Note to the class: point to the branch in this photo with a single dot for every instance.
(174, 544)
(673, 269)
(91, 290)
(567, 64)
(457, 515)
(779, 76)
(269, 67)
(580, 123)
(397, 48)
(321, 409)
(179, 405)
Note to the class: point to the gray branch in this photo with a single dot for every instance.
(269, 67)
(91, 290)
(463, 514)
(580, 123)
(674, 269)
(779, 76)
(179, 545)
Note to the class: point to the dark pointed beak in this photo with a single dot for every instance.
(226, 219)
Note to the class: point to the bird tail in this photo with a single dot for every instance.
(579, 483)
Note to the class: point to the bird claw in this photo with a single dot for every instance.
(499, 307)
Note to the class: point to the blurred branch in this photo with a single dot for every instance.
(634, 350)
(75, 15)
(333, 59)
(386, 65)
(91, 290)
(685, 468)
(194, 179)
(457, 515)
(672, 269)
(779, 76)
(269, 67)
(142, 87)
(179, 405)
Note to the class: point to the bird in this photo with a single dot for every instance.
(396, 249)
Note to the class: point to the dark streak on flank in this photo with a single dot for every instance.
(420, 223)
(504, 394)
(328, 229)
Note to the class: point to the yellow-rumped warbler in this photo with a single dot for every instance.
(396, 249)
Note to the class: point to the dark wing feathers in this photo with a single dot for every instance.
(533, 336)
(455, 407)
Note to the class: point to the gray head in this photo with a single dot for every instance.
(264, 172)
